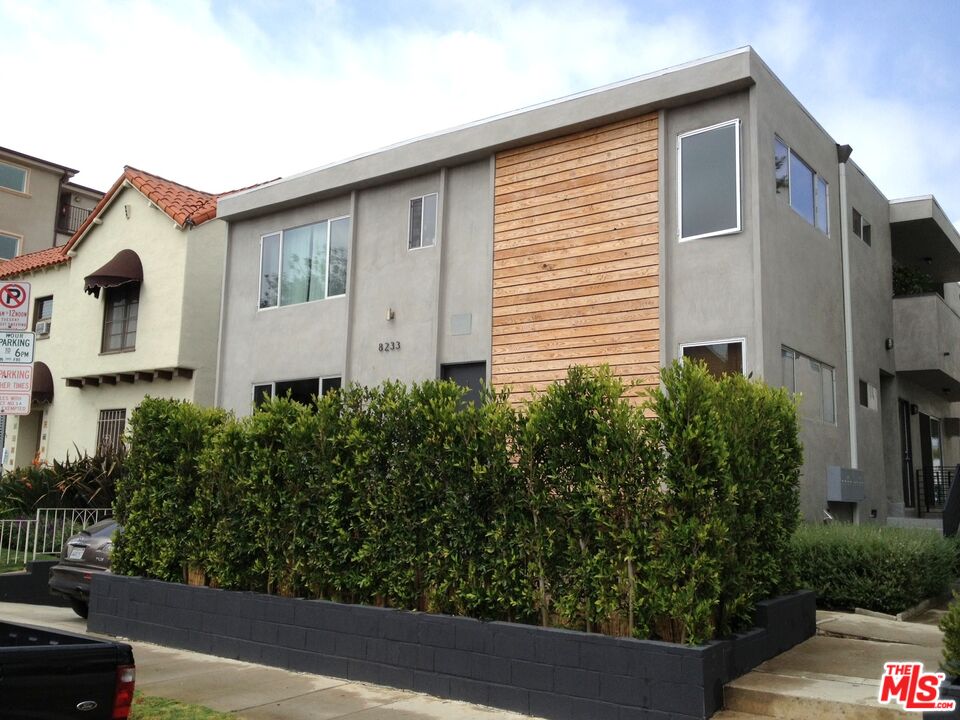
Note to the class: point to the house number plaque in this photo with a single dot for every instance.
(389, 346)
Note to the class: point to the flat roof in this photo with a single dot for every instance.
(702, 79)
(23, 157)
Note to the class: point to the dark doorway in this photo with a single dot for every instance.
(926, 459)
(468, 375)
(906, 450)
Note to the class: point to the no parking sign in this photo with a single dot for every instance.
(14, 305)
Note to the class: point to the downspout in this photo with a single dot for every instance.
(843, 154)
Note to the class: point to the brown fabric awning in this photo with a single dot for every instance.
(125, 267)
(42, 383)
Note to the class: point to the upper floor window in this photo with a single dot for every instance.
(807, 190)
(9, 246)
(816, 383)
(42, 316)
(861, 228)
(709, 182)
(120, 317)
(423, 221)
(721, 357)
(304, 264)
(13, 177)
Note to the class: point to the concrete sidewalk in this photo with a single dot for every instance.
(257, 692)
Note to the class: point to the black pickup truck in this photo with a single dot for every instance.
(51, 675)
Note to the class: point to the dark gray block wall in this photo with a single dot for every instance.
(30, 587)
(557, 674)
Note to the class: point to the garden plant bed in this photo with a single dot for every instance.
(542, 671)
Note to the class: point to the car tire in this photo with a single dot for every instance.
(80, 607)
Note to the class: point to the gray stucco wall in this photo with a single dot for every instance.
(32, 215)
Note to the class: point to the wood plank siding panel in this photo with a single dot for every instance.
(576, 257)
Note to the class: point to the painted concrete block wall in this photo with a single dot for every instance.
(802, 285)
(283, 343)
(31, 215)
(710, 284)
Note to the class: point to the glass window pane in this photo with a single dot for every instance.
(329, 384)
(416, 216)
(810, 386)
(429, 236)
(781, 165)
(296, 265)
(720, 358)
(829, 409)
(301, 391)
(46, 308)
(801, 187)
(13, 177)
(823, 207)
(708, 182)
(262, 393)
(269, 270)
(318, 262)
(339, 246)
(787, 362)
(8, 246)
(867, 236)
(856, 219)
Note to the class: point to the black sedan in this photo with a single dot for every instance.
(83, 556)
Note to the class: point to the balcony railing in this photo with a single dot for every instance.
(933, 484)
(71, 218)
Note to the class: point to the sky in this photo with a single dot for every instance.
(220, 94)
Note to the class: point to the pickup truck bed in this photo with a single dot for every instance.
(52, 675)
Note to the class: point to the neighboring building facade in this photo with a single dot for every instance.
(696, 212)
(128, 308)
(39, 206)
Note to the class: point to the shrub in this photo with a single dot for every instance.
(876, 568)
(950, 625)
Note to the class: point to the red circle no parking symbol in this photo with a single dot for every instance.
(12, 295)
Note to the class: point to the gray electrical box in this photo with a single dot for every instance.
(845, 484)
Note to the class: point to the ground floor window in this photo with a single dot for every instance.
(816, 383)
(302, 390)
(110, 428)
(720, 356)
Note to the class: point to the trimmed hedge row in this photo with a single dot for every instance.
(666, 519)
(886, 569)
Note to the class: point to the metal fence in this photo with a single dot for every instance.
(22, 540)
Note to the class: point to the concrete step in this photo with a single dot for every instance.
(803, 698)
(928, 523)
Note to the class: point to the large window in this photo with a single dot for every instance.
(816, 383)
(301, 391)
(13, 177)
(807, 191)
(423, 222)
(110, 428)
(120, 318)
(709, 161)
(304, 264)
(721, 357)
(9, 246)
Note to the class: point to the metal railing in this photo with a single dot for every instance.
(932, 486)
(71, 218)
(23, 539)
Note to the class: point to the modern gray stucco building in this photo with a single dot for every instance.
(698, 211)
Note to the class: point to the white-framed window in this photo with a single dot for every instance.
(807, 191)
(9, 245)
(301, 390)
(816, 383)
(861, 228)
(423, 222)
(721, 357)
(305, 263)
(708, 182)
(869, 395)
(13, 177)
(43, 316)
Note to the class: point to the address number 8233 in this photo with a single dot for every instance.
(389, 346)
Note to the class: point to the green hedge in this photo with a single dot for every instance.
(876, 568)
(950, 625)
(582, 509)
(86, 481)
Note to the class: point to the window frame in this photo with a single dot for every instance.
(739, 181)
(726, 341)
(118, 423)
(37, 317)
(863, 229)
(329, 221)
(273, 386)
(104, 350)
(816, 177)
(833, 370)
(26, 179)
(436, 221)
(13, 236)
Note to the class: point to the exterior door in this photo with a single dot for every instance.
(906, 454)
(926, 460)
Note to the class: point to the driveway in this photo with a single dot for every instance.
(256, 692)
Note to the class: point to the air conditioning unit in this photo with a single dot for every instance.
(42, 327)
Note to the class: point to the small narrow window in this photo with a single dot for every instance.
(262, 393)
(787, 359)
(869, 395)
(823, 206)
(42, 316)
(857, 220)
(423, 221)
(13, 177)
(721, 357)
(9, 246)
(709, 183)
(861, 228)
(269, 270)
(781, 165)
(110, 427)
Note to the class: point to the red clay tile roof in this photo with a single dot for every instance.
(33, 261)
